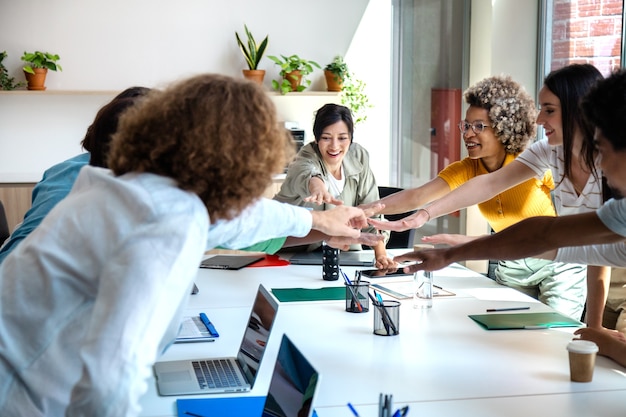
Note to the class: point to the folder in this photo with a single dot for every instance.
(524, 321)
(309, 294)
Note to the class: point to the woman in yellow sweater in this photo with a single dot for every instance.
(498, 125)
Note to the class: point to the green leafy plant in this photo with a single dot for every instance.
(39, 59)
(289, 64)
(252, 53)
(338, 68)
(354, 97)
(7, 83)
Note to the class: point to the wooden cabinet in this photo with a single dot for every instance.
(16, 199)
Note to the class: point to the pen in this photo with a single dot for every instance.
(491, 310)
(189, 413)
(209, 325)
(353, 410)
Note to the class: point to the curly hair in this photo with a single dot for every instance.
(216, 136)
(512, 111)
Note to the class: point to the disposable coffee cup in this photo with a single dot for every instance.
(582, 360)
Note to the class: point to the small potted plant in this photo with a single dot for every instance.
(335, 73)
(253, 54)
(294, 71)
(6, 83)
(37, 66)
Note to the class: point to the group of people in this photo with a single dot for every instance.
(171, 173)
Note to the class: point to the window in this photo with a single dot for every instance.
(582, 31)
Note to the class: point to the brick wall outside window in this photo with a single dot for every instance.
(587, 31)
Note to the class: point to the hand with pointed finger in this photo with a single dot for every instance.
(427, 260)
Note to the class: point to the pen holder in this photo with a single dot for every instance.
(387, 318)
(357, 300)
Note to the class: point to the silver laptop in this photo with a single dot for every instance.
(292, 391)
(229, 374)
(346, 258)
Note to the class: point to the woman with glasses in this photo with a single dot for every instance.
(498, 125)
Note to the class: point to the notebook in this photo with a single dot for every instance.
(346, 258)
(193, 376)
(292, 391)
(193, 329)
(499, 321)
(233, 262)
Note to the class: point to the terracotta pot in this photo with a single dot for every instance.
(295, 78)
(333, 82)
(37, 80)
(254, 75)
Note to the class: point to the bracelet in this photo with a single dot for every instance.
(427, 213)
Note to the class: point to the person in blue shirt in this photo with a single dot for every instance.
(58, 180)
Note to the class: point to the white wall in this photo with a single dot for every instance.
(106, 46)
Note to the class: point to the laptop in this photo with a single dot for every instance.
(346, 258)
(233, 262)
(292, 391)
(222, 375)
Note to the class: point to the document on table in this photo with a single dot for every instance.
(309, 294)
(509, 321)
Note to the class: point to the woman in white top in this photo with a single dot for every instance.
(568, 152)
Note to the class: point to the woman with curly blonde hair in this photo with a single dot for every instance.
(499, 123)
(111, 266)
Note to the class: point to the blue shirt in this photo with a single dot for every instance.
(55, 185)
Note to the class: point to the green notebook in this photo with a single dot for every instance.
(309, 294)
(497, 321)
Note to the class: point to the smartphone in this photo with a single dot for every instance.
(379, 273)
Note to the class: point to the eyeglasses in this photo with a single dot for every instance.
(477, 127)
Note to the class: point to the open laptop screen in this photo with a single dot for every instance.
(257, 333)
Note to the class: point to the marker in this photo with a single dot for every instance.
(491, 310)
(209, 325)
(353, 410)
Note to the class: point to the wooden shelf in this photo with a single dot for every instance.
(114, 92)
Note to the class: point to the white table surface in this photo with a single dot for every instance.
(441, 363)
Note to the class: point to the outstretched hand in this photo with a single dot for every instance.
(319, 193)
(344, 243)
(343, 220)
(414, 221)
(427, 260)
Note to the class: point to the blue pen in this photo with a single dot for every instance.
(353, 410)
(209, 325)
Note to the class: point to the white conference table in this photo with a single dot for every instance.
(442, 363)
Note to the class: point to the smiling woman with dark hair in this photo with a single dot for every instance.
(333, 170)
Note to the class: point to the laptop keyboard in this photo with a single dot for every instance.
(216, 374)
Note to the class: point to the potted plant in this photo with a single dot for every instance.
(353, 96)
(253, 54)
(6, 83)
(335, 73)
(294, 71)
(37, 66)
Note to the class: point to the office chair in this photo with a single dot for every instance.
(398, 240)
(4, 225)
